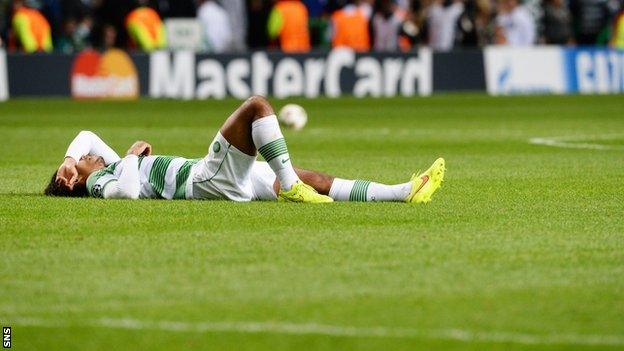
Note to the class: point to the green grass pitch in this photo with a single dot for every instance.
(523, 247)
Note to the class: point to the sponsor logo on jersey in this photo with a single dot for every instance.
(100, 76)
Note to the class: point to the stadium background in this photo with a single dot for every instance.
(438, 47)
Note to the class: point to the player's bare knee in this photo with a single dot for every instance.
(260, 105)
(257, 100)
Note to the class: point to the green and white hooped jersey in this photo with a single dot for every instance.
(161, 177)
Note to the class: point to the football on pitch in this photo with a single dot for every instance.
(293, 116)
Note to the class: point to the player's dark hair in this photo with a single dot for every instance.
(57, 189)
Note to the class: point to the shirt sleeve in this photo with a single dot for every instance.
(128, 185)
(275, 23)
(457, 9)
(434, 11)
(525, 27)
(21, 26)
(99, 180)
(86, 143)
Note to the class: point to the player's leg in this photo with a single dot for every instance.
(418, 189)
(254, 127)
(351, 190)
(366, 190)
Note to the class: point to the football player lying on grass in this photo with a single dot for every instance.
(229, 171)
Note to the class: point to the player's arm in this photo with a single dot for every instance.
(140, 148)
(88, 143)
(21, 25)
(128, 185)
(141, 35)
(85, 143)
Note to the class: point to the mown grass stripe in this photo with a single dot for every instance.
(293, 328)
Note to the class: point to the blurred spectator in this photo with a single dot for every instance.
(617, 37)
(592, 19)
(535, 8)
(257, 19)
(350, 26)
(316, 8)
(75, 35)
(335, 5)
(557, 23)
(5, 14)
(237, 13)
(474, 25)
(515, 25)
(367, 6)
(443, 16)
(72, 23)
(52, 10)
(31, 29)
(299, 25)
(176, 8)
(108, 37)
(74, 8)
(111, 13)
(146, 29)
(403, 4)
(217, 27)
(288, 22)
(318, 22)
(386, 24)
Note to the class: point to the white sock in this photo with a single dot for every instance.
(363, 190)
(269, 141)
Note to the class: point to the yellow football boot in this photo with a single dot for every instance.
(425, 184)
(301, 192)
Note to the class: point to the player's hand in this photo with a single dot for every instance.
(67, 174)
(140, 148)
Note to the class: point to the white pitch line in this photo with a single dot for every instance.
(575, 142)
(329, 330)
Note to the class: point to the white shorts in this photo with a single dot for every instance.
(230, 174)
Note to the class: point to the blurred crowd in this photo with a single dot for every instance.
(302, 25)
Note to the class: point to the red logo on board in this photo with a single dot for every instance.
(100, 76)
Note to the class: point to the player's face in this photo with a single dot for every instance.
(87, 165)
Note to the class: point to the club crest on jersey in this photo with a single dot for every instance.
(216, 147)
(97, 190)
